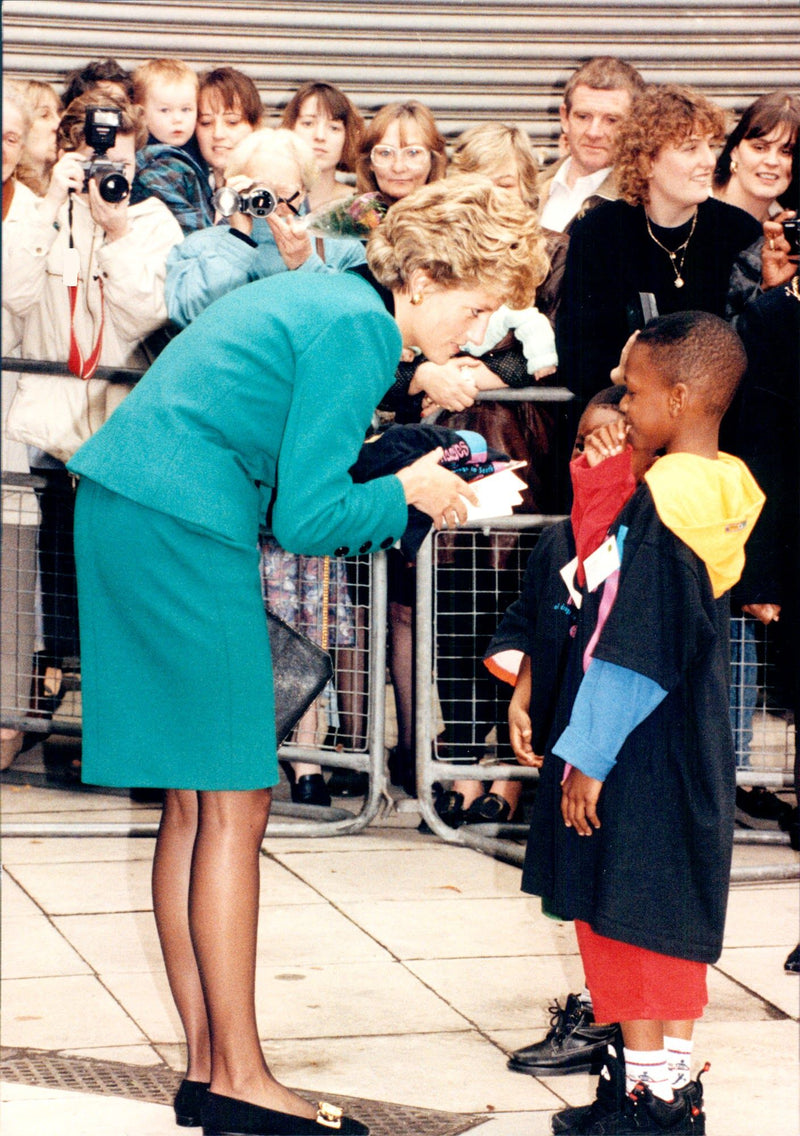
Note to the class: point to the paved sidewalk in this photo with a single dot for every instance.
(392, 968)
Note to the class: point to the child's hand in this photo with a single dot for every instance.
(764, 612)
(605, 442)
(579, 797)
(543, 372)
(520, 734)
(617, 375)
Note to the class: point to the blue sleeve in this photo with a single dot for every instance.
(611, 702)
(205, 266)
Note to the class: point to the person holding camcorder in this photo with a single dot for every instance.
(85, 279)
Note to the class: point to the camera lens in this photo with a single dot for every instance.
(226, 201)
(262, 203)
(113, 188)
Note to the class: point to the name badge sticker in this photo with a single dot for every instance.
(602, 562)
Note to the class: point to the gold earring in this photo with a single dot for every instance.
(734, 165)
(416, 299)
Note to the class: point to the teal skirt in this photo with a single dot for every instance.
(176, 676)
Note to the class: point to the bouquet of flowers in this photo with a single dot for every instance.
(354, 216)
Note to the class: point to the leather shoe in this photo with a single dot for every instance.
(348, 783)
(489, 808)
(188, 1103)
(225, 1116)
(310, 789)
(449, 806)
(792, 964)
(573, 1044)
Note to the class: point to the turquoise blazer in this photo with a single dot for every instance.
(262, 404)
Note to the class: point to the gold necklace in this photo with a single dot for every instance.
(677, 265)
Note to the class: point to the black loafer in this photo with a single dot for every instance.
(792, 964)
(573, 1044)
(225, 1116)
(189, 1102)
(310, 789)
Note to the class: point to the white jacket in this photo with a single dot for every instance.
(132, 270)
(123, 278)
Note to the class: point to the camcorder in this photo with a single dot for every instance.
(257, 202)
(100, 131)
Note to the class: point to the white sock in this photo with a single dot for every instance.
(585, 999)
(679, 1060)
(648, 1067)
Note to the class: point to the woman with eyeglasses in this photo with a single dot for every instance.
(402, 150)
(243, 247)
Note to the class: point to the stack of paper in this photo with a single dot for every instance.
(497, 494)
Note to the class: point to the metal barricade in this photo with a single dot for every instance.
(453, 695)
(39, 603)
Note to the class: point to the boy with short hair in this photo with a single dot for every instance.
(171, 166)
(633, 823)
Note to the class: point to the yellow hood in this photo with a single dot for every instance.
(709, 505)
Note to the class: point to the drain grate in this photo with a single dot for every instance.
(157, 1084)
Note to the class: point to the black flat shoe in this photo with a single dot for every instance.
(489, 808)
(225, 1116)
(188, 1103)
(348, 783)
(449, 806)
(310, 789)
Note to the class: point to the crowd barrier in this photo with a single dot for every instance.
(464, 583)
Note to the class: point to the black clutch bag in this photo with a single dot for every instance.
(300, 671)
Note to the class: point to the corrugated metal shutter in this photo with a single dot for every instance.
(468, 61)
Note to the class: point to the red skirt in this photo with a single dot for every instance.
(631, 984)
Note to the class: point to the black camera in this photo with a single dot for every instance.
(257, 202)
(791, 230)
(100, 131)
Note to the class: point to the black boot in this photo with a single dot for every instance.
(573, 1044)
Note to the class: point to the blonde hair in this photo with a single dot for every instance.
(264, 143)
(411, 111)
(661, 116)
(161, 70)
(14, 93)
(462, 232)
(485, 147)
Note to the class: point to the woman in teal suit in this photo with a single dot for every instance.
(258, 408)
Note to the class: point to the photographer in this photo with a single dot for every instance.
(266, 185)
(85, 279)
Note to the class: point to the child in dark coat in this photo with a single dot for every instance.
(633, 823)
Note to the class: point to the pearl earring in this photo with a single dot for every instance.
(416, 298)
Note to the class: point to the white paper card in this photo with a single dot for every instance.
(602, 562)
(72, 265)
(567, 574)
(497, 494)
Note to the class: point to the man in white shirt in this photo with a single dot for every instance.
(597, 97)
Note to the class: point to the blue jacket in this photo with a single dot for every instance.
(263, 401)
(214, 261)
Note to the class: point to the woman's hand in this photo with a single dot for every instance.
(579, 796)
(452, 385)
(67, 175)
(436, 491)
(777, 267)
(294, 243)
(111, 216)
(617, 375)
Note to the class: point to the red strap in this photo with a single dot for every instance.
(84, 368)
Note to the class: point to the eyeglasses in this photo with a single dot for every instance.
(415, 157)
